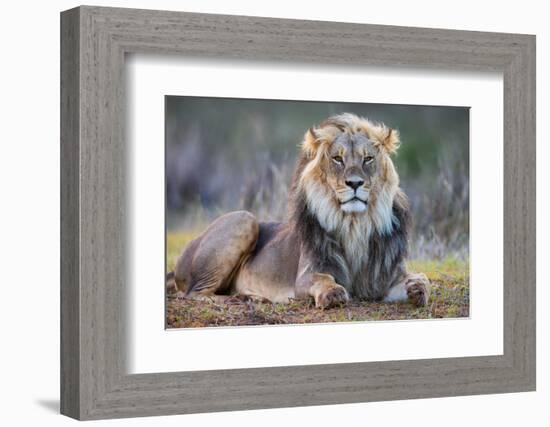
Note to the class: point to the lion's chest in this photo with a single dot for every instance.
(350, 254)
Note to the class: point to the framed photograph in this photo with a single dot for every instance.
(262, 213)
(289, 235)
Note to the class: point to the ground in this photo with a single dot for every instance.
(449, 298)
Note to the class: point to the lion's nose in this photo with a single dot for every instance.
(355, 184)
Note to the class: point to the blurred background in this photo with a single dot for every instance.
(228, 154)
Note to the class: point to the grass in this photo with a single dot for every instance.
(449, 298)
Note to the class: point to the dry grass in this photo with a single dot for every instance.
(449, 299)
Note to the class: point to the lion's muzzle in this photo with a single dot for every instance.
(354, 200)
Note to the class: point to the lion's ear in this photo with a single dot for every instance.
(311, 143)
(316, 137)
(391, 141)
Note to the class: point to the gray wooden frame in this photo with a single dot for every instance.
(94, 41)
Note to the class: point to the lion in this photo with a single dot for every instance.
(346, 235)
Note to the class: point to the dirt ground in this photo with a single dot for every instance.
(449, 298)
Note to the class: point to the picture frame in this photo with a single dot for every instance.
(94, 42)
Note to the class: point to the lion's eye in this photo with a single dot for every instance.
(338, 160)
(367, 160)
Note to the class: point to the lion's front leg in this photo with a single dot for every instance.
(323, 288)
(414, 287)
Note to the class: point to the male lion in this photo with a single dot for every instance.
(346, 234)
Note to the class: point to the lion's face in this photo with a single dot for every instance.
(351, 168)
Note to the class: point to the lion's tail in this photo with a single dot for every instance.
(171, 287)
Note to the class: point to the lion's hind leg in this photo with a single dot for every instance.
(414, 288)
(208, 264)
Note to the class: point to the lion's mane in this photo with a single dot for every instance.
(365, 253)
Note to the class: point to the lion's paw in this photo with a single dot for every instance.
(331, 296)
(418, 289)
